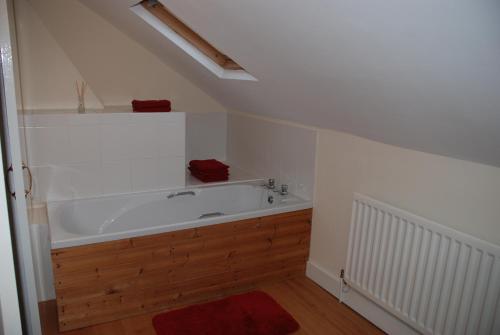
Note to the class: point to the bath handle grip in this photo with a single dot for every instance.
(170, 196)
(210, 215)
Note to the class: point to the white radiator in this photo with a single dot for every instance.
(436, 279)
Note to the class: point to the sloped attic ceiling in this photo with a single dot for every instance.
(421, 74)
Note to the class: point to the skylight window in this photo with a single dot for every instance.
(160, 18)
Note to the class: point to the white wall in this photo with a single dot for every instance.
(80, 155)
(61, 41)
(46, 73)
(459, 194)
(206, 136)
(273, 149)
(421, 74)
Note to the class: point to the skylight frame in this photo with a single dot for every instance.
(188, 47)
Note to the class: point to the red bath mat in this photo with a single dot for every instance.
(253, 313)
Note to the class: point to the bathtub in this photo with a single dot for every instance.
(118, 256)
(94, 220)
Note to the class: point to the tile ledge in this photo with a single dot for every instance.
(236, 175)
(106, 110)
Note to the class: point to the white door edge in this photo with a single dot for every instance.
(26, 274)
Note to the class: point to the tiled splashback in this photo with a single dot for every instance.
(273, 150)
(81, 155)
(206, 135)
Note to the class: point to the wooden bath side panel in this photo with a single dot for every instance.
(112, 280)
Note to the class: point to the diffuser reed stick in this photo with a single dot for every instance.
(80, 91)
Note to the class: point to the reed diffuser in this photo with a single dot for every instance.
(80, 91)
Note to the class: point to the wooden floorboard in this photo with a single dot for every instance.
(317, 312)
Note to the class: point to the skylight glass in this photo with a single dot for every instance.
(161, 19)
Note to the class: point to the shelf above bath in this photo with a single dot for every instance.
(236, 175)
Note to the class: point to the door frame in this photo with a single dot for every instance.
(20, 226)
(10, 317)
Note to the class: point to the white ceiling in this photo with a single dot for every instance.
(421, 74)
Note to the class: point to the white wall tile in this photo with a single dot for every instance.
(115, 177)
(46, 120)
(171, 139)
(157, 173)
(24, 148)
(170, 170)
(273, 150)
(48, 145)
(85, 143)
(85, 179)
(144, 174)
(142, 140)
(74, 155)
(116, 141)
(85, 119)
(206, 136)
(51, 183)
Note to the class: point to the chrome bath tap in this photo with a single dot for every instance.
(271, 184)
(284, 189)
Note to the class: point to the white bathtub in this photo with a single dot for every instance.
(85, 221)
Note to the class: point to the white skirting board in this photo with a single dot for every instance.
(375, 314)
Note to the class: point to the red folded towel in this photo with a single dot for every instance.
(151, 106)
(209, 170)
(208, 165)
(209, 179)
(210, 174)
(152, 110)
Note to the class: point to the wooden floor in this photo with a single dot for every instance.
(317, 312)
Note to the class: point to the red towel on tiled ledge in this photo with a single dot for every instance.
(209, 177)
(208, 165)
(209, 170)
(151, 106)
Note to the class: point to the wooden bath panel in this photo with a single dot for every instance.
(107, 281)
